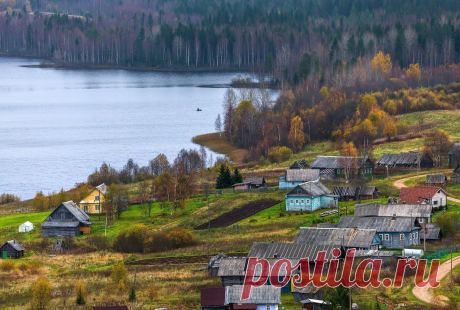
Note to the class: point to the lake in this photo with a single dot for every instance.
(57, 126)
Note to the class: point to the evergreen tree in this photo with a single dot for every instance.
(220, 177)
(132, 294)
(80, 299)
(227, 179)
(237, 177)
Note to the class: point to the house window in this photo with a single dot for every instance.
(421, 220)
(268, 307)
(292, 201)
(299, 191)
(416, 235)
(381, 237)
(302, 201)
(85, 208)
(401, 237)
(62, 216)
(387, 237)
(410, 236)
(97, 208)
(435, 202)
(308, 200)
(297, 201)
(97, 198)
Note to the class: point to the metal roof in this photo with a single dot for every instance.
(289, 250)
(347, 237)
(15, 245)
(311, 189)
(102, 188)
(436, 179)
(60, 224)
(433, 232)
(400, 210)
(300, 164)
(265, 294)
(76, 211)
(338, 162)
(301, 175)
(380, 224)
(374, 253)
(232, 267)
(401, 159)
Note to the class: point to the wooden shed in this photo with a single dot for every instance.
(356, 193)
(11, 249)
(454, 155)
(436, 179)
(336, 166)
(406, 160)
(66, 220)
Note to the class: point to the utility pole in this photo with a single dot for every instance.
(451, 279)
(388, 178)
(209, 218)
(424, 237)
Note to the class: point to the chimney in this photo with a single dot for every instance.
(394, 217)
(275, 255)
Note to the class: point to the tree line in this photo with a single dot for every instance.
(325, 43)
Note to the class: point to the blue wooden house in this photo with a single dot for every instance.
(310, 196)
(295, 177)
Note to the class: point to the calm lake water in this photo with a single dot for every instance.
(56, 126)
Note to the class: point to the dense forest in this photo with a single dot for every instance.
(326, 43)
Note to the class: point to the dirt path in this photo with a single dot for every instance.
(400, 184)
(425, 294)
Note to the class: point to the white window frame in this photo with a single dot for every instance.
(297, 201)
(410, 236)
(308, 201)
(387, 237)
(85, 208)
(401, 236)
(97, 207)
(292, 201)
(421, 220)
(97, 198)
(381, 237)
(416, 235)
(302, 201)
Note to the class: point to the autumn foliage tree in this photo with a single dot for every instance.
(40, 202)
(437, 144)
(41, 294)
(382, 64)
(390, 130)
(350, 159)
(296, 134)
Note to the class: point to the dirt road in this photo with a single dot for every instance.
(425, 294)
(400, 184)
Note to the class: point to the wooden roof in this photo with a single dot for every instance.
(436, 179)
(288, 250)
(402, 159)
(347, 237)
(14, 244)
(354, 191)
(455, 150)
(399, 210)
(265, 294)
(232, 267)
(311, 189)
(433, 232)
(339, 162)
(380, 224)
(301, 175)
(255, 180)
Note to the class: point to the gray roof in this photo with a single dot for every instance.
(436, 179)
(348, 237)
(433, 232)
(102, 188)
(308, 289)
(312, 189)
(337, 162)
(288, 250)
(230, 267)
(76, 211)
(282, 271)
(380, 224)
(374, 253)
(457, 170)
(265, 294)
(351, 191)
(60, 224)
(15, 245)
(301, 175)
(407, 158)
(326, 225)
(254, 180)
(455, 149)
(300, 164)
(400, 210)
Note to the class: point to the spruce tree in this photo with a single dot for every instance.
(132, 294)
(237, 177)
(220, 177)
(80, 299)
(227, 180)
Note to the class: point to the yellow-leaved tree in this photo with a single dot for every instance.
(349, 161)
(382, 64)
(296, 135)
(414, 74)
(390, 130)
(41, 294)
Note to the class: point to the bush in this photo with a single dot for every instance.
(181, 238)
(446, 223)
(119, 274)
(22, 266)
(157, 242)
(279, 154)
(7, 265)
(131, 240)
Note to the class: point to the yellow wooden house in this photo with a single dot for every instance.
(92, 204)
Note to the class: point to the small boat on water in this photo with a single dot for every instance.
(199, 110)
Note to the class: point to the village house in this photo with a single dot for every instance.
(432, 233)
(356, 193)
(349, 238)
(454, 155)
(310, 296)
(406, 160)
(11, 249)
(436, 179)
(337, 166)
(249, 184)
(265, 297)
(295, 177)
(231, 271)
(92, 203)
(66, 220)
(391, 230)
(310, 196)
(422, 213)
(435, 196)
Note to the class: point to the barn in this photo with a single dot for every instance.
(432, 233)
(11, 249)
(336, 166)
(435, 179)
(405, 160)
(66, 220)
(422, 213)
(231, 271)
(356, 193)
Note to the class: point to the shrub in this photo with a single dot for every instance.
(157, 242)
(119, 274)
(41, 293)
(278, 154)
(7, 265)
(22, 266)
(446, 223)
(252, 221)
(181, 238)
(131, 240)
(152, 292)
(80, 291)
